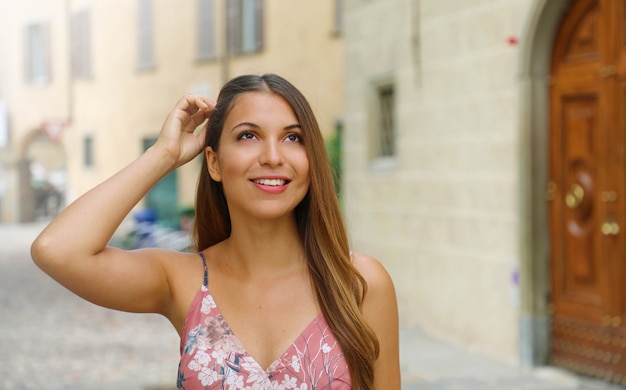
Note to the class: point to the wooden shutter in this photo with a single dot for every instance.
(258, 25)
(80, 42)
(233, 28)
(206, 30)
(37, 53)
(145, 41)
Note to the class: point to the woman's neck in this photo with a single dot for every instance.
(267, 248)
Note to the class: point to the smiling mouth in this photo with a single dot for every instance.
(270, 182)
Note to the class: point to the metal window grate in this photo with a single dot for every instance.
(387, 131)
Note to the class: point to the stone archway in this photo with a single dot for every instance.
(534, 73)
(39, 174)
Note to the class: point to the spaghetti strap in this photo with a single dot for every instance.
(206, 272)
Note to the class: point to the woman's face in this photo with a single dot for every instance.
(262, 163)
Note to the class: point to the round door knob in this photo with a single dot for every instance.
(610, 227)
(574, 196)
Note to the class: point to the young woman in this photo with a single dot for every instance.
(274, 299)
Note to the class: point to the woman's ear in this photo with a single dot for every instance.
(213, 164)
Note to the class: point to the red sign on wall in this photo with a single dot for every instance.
(54, 130)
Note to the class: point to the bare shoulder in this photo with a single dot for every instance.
(182, 269)
(380, 310)
(185, 274)
(380, 298)
(375, 274)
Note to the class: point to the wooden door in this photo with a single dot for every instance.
(587, 190)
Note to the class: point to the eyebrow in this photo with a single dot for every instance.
(290, 127)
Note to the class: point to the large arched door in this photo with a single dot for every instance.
(587, 190)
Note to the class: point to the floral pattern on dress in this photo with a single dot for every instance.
(213, 358)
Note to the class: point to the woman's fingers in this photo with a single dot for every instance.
(178, 135)
(194, 103)
(195, 110)
(195, 120)
(190, 105)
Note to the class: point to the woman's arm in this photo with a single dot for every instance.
(380, 309)
(73, 247)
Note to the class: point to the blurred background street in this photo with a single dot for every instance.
(51, 339)
(479, 149)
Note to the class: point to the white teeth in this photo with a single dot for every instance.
(271, 182)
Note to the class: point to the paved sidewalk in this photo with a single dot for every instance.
(50, 339)
(428, 364)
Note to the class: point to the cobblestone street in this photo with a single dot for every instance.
(51, 339)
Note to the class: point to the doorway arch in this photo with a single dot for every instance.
(42, 176)
(534, 73)
(578, 329)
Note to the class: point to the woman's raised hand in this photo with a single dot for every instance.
(178, 138)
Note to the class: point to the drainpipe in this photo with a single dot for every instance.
(69, 82)
(226, 53)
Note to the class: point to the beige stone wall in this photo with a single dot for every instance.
(447, 205)
(121, 105)
(32, 104)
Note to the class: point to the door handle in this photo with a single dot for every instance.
(575, 196)
(610, 227)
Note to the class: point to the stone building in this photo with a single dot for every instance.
(485, 141)
(86, 84)
(33, 104)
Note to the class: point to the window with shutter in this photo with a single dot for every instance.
(338, 28)
(206, 30)
(37, 53)
(145, 35)
(382, 124)
(88, 160)
(245, 26)
(80, 44)
(386, 126)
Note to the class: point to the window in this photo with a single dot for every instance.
(37, 53)
(338, 28)
(206, 30)
(245, 26)
(145, 35)
(80, 38)
(4, 125)
(385, 137)
(88, 151)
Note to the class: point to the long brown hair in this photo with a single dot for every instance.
(339, 286)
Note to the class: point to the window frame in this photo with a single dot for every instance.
(145, 35)
(206, 45)
(244, 37)
(338, 20)
(37, 53)
(80, 44)
(88, 151)
(383, 129)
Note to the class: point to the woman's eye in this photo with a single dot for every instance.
(294, 137)
(245, 135)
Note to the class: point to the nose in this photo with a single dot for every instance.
(271, 154)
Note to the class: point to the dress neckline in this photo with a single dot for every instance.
(318, 318)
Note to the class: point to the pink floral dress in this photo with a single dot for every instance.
(213, 358)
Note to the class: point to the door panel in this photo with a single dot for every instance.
(579, 285)
(588, 180)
